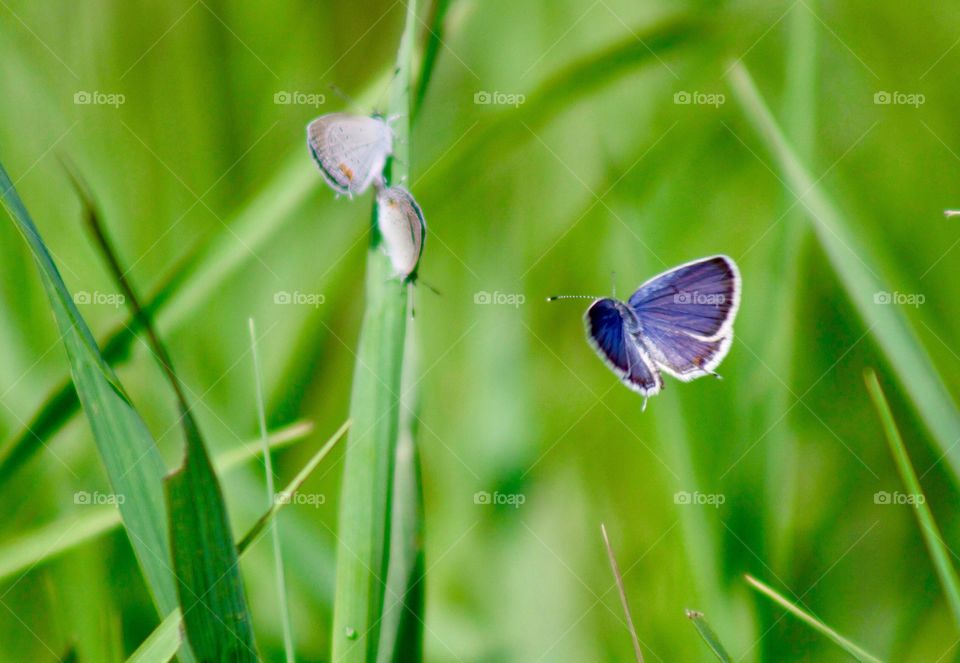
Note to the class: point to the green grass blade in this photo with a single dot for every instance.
(162, 644)
(854, 650)
(932, 537)
(709, 635)
(857, 271)
(39, 546)
(205, 559)
(401, 630)
(167, 635)
(366, 492)
(205, 563)
(438, 12)
(130, 457)
(271, 497)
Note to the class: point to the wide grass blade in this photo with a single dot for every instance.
(205, 559)
(939, 554)
(132, 462)
(854, 650)
(401, 630)
(709, 636)
(858, 271)
(366, 492)
(159, 643)
(209, 585)
(30, 550)
(275, 529)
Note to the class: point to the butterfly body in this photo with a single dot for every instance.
(679, 322)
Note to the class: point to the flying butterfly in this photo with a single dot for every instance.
(679, 322)
(350, 150)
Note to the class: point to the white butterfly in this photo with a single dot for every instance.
(402, 228)
(350, 150)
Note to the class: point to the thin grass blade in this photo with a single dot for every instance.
(939, 554)
(851, 648)
(709, 636)
(858, 272)
(275, 529)
(618, 577)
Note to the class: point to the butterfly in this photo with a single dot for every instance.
(679, 322)
(350, 150)
(402, 228)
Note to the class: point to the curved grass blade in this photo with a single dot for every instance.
(127, 450)
(205, 563)
(709, 636)
(166, 637)
(854, 650)
(932, 537)
(366, 493)
(43, 544)
(856, 270)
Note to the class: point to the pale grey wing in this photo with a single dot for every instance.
(618, 349)
(402, 227)
(350, 150)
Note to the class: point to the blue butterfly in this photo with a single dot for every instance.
(680, 322)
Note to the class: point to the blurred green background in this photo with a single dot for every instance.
(585, 162)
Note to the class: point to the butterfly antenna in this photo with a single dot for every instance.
(644, 407)
(613, 284)
(554, 298)
(429, 287)
(951, 212)
(337, 90)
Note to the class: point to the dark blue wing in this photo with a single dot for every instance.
(609, 337)
(699, 298)
(686, 316)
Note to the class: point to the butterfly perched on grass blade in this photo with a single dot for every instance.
(350, 150)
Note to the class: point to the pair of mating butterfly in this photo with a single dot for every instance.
(351, 152)
(680, 322)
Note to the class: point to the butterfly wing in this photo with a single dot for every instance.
(350, 150)
(402, 227)
(686, 315)
(607, 333)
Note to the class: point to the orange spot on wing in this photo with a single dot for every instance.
(346, 171)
